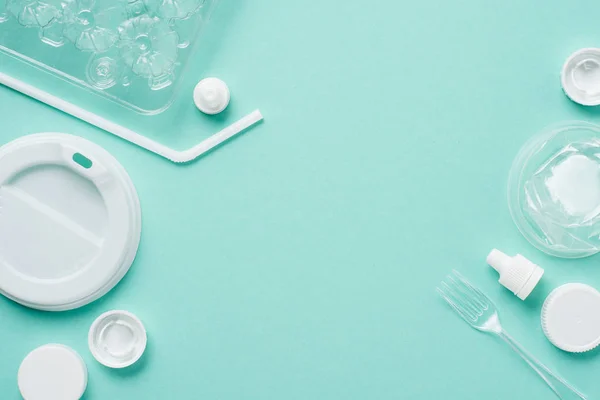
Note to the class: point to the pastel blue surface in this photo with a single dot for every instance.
(299, 261)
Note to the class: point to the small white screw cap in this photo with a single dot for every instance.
(571, 317)
(211, 96)
(517, 274)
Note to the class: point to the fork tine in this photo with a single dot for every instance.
(467, 295)
(447, 294)
(453, 305)
(462, 297)
(483, 300)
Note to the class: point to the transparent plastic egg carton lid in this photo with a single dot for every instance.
(131, 52)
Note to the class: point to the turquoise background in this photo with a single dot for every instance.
(299, 261)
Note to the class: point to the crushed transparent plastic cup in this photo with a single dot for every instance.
(554, 190)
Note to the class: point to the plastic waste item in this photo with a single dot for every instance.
(52, 372)
(34, 13)
(74, 204)
(211, 96)
(571, 317)
(103, 71)
(149, 46)
(92, 26)
(517, 274)
(127, 134)
(554, 190)
(580, 76)
(117, 339)
(477, 310)
(152, 42)
(130, 52)
(174, 8)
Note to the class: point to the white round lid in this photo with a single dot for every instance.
(117, 339)
(211, 95)
(70, 221)
(52, 372)
(581, 77)
(571, 317)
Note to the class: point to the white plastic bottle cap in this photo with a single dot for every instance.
(52, 372)
(117, 339)
(211, 96)
(517, 274)
(581, 77)
(70, 221)
(571, 317)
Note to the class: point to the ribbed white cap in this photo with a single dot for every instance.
(571, 317)
(517, 274)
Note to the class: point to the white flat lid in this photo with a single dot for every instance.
(52, 372)
(117, 339)
(69, 221)
(571, 317)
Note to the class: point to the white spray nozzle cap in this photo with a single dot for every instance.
(517, 274)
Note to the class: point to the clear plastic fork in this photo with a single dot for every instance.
(480, 312)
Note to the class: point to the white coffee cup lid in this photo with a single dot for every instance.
(117, 339)
(70, 222)
(52, 372)
(571, 317)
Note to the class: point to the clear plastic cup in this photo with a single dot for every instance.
(554, 190)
